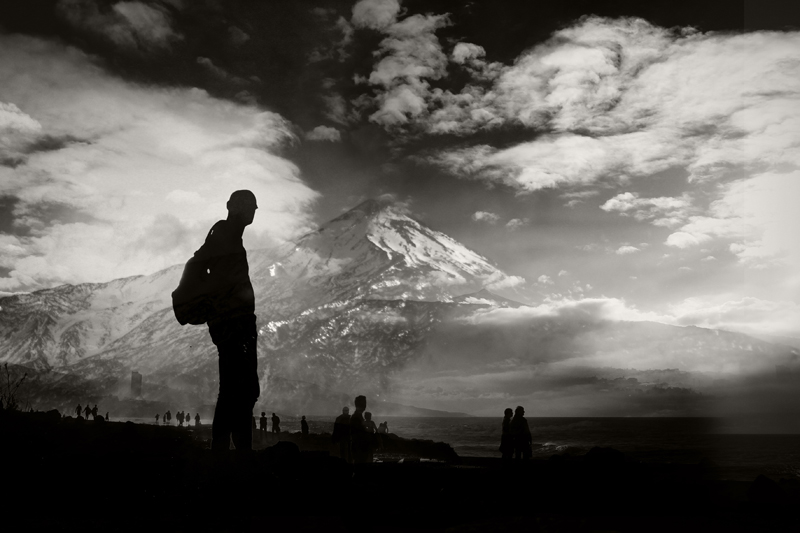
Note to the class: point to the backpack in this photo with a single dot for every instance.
(191, 301)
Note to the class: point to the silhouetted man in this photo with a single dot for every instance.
(372, 435)
(303, 426)
(87, 410)
(262, 422)
(341, 433)
(197, 420)
(94, 412)
(78, 410)
(233, 324)
(521, 434)
(359, 439)
(276, 423)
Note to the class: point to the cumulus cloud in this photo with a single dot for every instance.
(506, 282)
(410, 56)
(375, 14)
(516, 223)
(324, 133)
(485, 216)
(627, 250)
(142, 154)
(463, 52)
(682, 239)
(662, 211)
(130, 25)
(544, 279)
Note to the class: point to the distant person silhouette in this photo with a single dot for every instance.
(78, 411)
(372, 435)
(506, 440)
(303, 425)
(197, 420)
(106, 415)
(156, 418)
(521, 434)
(233, 324)
(359, 439)
(87, 411)
(179, 418)
(94, 412)
(169, 416)
(262, 423)
(276, 423)
(341, 434)
(383, 429)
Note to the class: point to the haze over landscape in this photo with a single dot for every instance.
(461, 207)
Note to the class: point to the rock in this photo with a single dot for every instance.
(605, 456)
(284, 452)
(766, 490)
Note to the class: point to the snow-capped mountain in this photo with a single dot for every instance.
(373, 251)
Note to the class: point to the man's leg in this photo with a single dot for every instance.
(247, 390)
(238, 383)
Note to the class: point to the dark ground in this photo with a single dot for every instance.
(72, 475)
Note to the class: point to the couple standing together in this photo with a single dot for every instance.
(516, 439)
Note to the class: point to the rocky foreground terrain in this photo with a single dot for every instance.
(62, 474)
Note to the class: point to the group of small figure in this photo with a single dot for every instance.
(181, 417)
(357, 435)
(87, 411)
(516, 439)
(276, 424)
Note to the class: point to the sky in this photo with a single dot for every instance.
(639, 158)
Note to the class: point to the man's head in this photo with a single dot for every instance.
(242, 205)
(345, 410)
(519, 411)
(361, 402)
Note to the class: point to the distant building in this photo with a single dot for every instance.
(136, 384)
